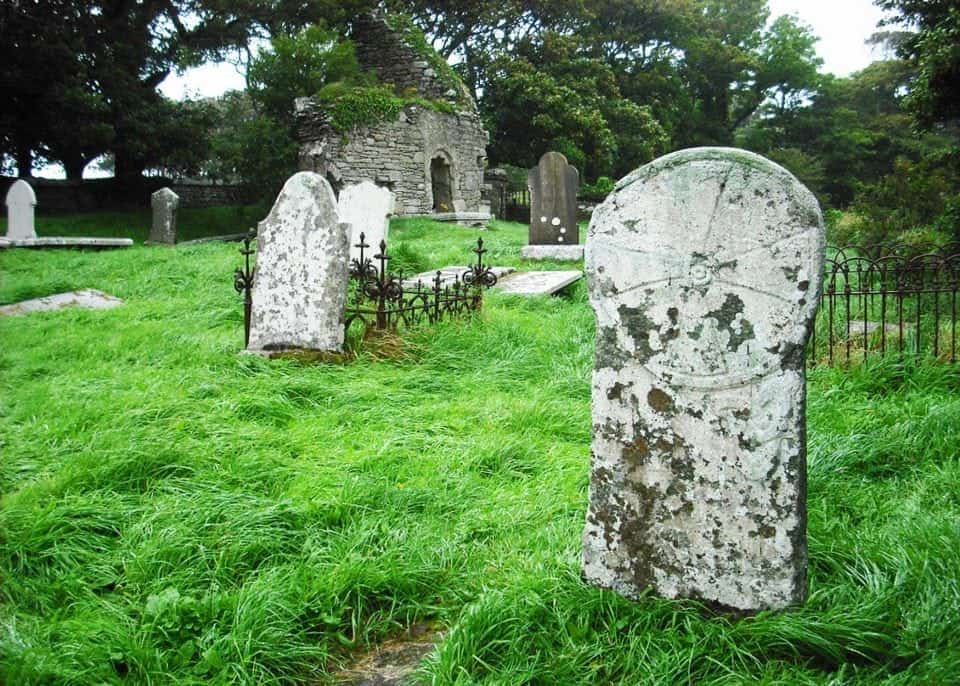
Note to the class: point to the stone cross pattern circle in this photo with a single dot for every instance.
(704, 270)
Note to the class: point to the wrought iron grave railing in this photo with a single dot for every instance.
(381, 299)
(882, 299)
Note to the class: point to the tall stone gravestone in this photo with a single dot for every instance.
(300, 284)
(367, 208)
(704, 271)
(164, 227)
(553, 187)
(21, 204)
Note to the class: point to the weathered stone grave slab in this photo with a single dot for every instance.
(21, 207)
(80, 243)
(553, 201)
(394, 662)
(704, 271)
(87, 298)
(300, 283)
(538, 283)
(471, 219)
(367, 208)
(563, 253)
(450, 274)
(163, 229)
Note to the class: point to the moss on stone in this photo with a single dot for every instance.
(350, 107)
(417, 41)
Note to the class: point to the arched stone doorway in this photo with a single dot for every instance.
(441, 181)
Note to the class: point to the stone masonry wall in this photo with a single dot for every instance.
(397, 155)
(57, 195)
(383, 50)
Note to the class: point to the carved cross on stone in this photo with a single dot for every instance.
(704, 271)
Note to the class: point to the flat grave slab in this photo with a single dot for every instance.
(564, 253)
(66, 242)
(450, 274)
(538, 283)
(87, 298)
(474, 219)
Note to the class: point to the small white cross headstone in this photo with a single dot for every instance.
(21, 201)
(164, 227)
(367, 208)
(300, 284)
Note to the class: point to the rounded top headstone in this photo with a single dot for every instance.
(722, 247)
(21, 194)
(164, 197)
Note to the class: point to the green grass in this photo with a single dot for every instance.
(173, 512)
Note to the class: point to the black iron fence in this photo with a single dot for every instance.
(887, 299)
(383, 300)
(517, 207)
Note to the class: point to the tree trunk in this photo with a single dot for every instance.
(74, 167)
(25, 163)
(127, 170)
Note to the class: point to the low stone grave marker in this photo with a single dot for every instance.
(163, 229)
(538, 283)
(367, 208)
(21, 208)
(554, 232)
(87, 298)
(300, 283)
(704, 270)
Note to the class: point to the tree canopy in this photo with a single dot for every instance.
(610, 83)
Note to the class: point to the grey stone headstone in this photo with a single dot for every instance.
(21, 204)
(164, 227)
(300, 284)
(704, 270)
(367, 208)
(553, 201)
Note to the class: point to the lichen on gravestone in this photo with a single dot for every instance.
(300, 283)
(704, 271)
(163, 228)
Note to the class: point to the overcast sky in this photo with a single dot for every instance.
(842, 25)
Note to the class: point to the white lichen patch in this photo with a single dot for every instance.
(704, 271)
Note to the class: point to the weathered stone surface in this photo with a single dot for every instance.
(21, 204)
(553, 201)
(87, 298)
(538, 283)
(704, 270)
(67, 242)
(563, 253)
(367, 208)
(164, 227)
(300, 284)
(394, 662)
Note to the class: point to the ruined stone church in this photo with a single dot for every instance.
(432, 155)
